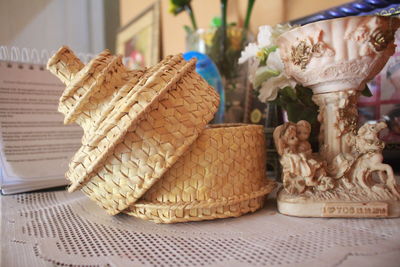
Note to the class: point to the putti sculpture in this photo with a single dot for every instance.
(347, 178)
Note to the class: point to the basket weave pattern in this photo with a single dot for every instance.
(145, 127)
(89, 88)
(221, 175)
(145, 149)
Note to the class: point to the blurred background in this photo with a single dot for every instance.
(89, 26)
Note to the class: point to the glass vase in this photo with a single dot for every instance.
(225, 51)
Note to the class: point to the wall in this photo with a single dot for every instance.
(49, 24)
(300, 8)
(264, 12)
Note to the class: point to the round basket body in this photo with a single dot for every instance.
(138, 130)
(221, 175)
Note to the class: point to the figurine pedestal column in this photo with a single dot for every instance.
(338, 118)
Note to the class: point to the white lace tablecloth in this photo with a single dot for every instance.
(57, 228)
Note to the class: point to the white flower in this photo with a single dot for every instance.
(274, 61)
(270, 77)
(269, 89)
(264, 36)
(263, 40)
(279, 29)
(249, 52)
(263, 74)
(267, 92)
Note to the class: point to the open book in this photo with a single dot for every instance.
(35, 146)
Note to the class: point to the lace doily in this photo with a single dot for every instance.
(57, 228)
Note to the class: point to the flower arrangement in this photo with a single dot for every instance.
(269, 79)
(271, 83)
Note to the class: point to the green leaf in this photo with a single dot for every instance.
(248, 13)
(366, 92)
(305, 94)
(309, 115)
(180, 3)
(271, 49)
(216, 22)
(263, 74)
(289, 92)
(178, 6)
(174, 9)
(298, 104)
(187, 29)
(263, 56)
(292, 112)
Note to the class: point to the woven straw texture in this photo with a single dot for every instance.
(143, 123)
(221, 175)
(89, 88)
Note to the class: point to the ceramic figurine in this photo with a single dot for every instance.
(335, 58)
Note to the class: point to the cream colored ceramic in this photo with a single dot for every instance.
(335, 58)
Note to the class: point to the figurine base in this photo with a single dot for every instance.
(335, 208)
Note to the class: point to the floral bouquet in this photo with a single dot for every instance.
(272, 84)
(269, 79)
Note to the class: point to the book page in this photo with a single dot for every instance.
(35, 145)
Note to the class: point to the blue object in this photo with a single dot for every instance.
(209, 71)
(359, 8)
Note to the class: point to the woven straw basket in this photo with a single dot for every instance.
(221, 175)
(141, 151)
(137, 124)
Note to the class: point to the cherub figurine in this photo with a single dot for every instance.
(300, 169)
(285, 137)
(303, 129)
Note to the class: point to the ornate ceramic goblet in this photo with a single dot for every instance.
(335, 58)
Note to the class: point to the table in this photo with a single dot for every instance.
(57, 228)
